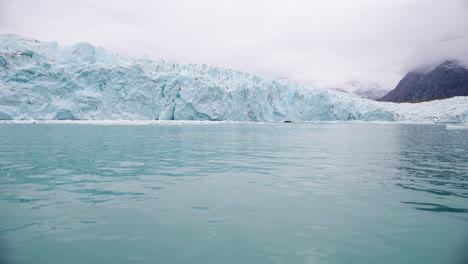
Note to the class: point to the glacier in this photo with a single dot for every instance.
(45, 81)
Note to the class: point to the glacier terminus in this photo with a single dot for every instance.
(45, 81)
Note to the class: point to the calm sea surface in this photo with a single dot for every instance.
(233, 193)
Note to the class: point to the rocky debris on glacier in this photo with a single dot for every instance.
(44, 81)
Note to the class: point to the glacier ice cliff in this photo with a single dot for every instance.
(42, 80)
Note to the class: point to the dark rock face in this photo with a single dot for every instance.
(446, 80)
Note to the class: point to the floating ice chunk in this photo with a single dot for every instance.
(457, 127)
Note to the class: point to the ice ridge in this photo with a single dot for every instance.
(45, 81)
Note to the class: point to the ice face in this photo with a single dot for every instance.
(453, 110)
(40, 80)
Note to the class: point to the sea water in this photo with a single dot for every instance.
(233, 193)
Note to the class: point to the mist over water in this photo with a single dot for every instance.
(233, 193)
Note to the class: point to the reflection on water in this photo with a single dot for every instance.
(436, 163)
(233, 193)
(437, 207)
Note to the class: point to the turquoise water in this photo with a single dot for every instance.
(233, 193)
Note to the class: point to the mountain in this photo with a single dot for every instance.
(446, 80)
(45, 81)
(361, 89)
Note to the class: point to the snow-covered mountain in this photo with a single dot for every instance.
(362, 89)
(42, 80)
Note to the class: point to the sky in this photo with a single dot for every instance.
(323, 42)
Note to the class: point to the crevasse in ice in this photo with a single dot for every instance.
(42, 80)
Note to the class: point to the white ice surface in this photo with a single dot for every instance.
(453, 110)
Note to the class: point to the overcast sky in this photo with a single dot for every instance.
(315, 41)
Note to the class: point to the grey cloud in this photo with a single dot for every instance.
(308, 41)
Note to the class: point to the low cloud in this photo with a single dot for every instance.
(321, 42)
(451, 48)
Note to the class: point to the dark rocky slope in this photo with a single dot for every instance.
(446, 80)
